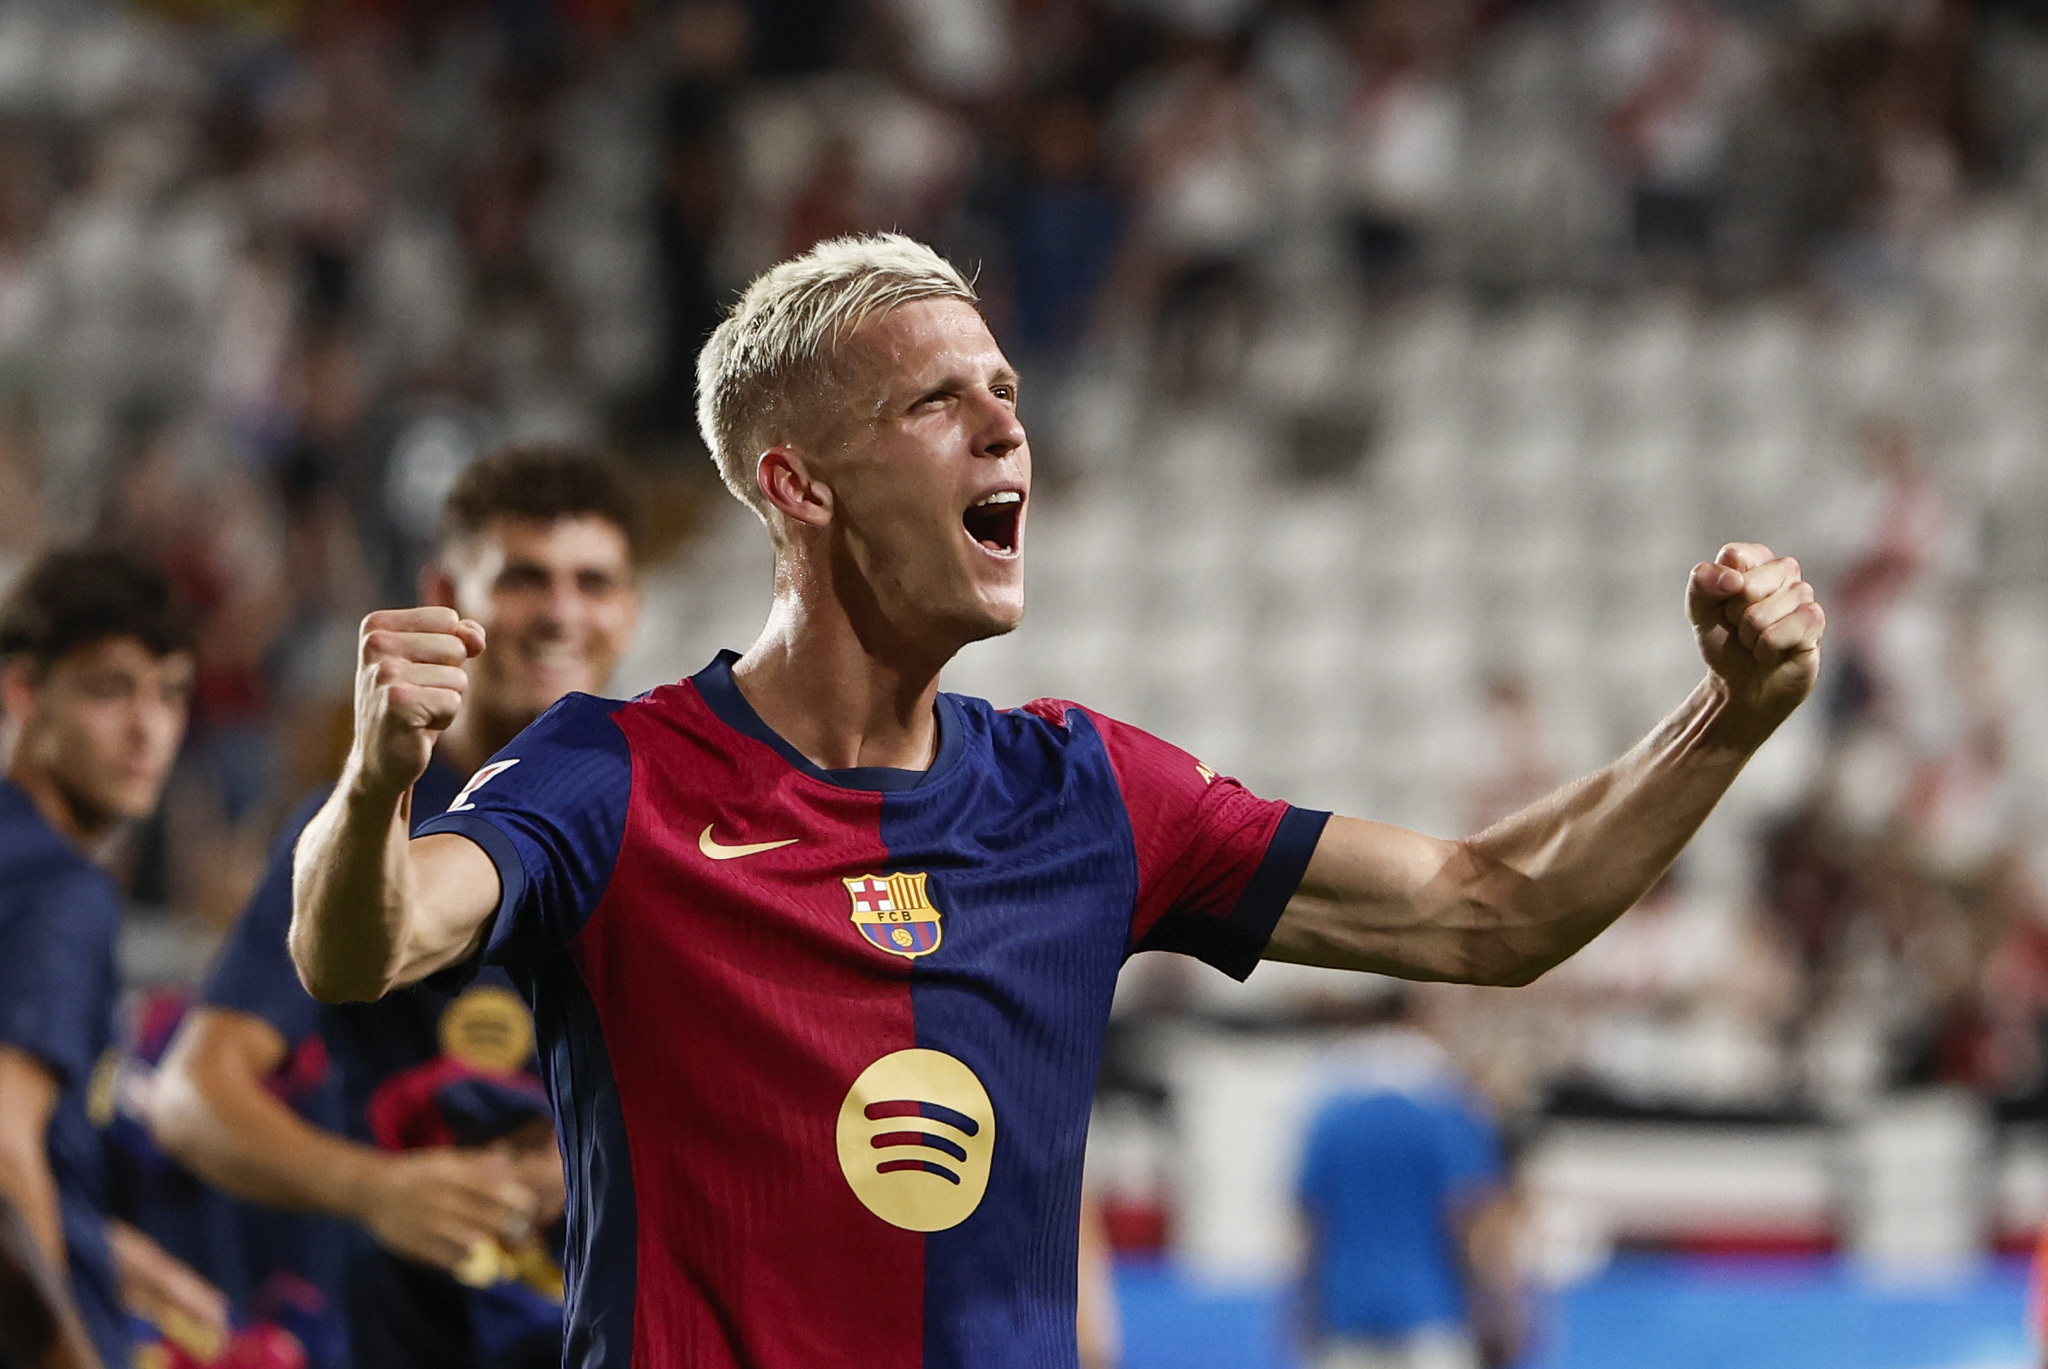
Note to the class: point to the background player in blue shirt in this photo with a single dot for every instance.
(538, 543)
(856, 400)
(1401, 1192)
(95, 672)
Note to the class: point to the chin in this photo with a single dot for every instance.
(992, 620)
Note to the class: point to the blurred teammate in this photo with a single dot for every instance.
(822, 957)
(449, 1161)
(1402, 1195)
(95, 673)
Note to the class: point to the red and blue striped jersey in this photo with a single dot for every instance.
(822, 1044)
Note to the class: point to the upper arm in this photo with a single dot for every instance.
(455, 890)
(526, 850)
(1382, 898)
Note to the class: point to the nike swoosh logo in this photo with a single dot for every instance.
(719, 852)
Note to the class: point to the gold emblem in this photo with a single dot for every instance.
(1208, 775)
(917, 1134)
(488, 1029)
(894, 913)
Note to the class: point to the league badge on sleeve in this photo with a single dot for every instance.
(894, 914)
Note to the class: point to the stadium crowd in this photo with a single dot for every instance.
(272, 274)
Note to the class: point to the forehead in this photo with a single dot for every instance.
(582, 539)
(926, 340)
(126, 655)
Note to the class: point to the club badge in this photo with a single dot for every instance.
(894, 914)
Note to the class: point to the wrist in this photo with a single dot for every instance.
(361, 1178)
(1729, 724)
(369, 793)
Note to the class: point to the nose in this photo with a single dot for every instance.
(1001, 430)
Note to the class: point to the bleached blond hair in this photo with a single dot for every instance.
(764, 369)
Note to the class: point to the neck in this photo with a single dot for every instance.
(474, 737)
(840, 697)
(86, 828)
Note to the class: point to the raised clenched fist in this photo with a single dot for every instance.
(409, 685)
(1759, 628)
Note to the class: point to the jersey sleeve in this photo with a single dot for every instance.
(254, 973)
(56, 946)
(550, 811)
(1216, 864)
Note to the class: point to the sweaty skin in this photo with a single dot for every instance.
(878, 583)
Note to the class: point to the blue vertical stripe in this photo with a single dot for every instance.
(1032, 867)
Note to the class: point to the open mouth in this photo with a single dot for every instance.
(992, 521)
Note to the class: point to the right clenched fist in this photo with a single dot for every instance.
(409, 684)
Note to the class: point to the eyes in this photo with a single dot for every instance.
(1005, 392)
(527, 578)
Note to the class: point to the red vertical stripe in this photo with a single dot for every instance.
(738, 1003)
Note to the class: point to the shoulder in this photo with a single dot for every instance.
(1061, 721)
(578, 719)
(59, 900)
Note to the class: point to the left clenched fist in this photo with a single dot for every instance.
(1759, 628)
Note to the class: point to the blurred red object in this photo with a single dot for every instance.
(259, 1347)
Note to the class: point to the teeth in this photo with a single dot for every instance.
(1000, 497)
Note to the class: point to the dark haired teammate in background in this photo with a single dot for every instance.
(538, 543)
(95, 672)
(821, 956)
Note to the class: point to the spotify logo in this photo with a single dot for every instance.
(916, 1134)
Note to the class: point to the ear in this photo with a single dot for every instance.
(785, 479)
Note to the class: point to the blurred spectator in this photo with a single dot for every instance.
(1681, 69)
(1405, 126)
(1064, 227)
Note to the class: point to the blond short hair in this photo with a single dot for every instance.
(773, 354)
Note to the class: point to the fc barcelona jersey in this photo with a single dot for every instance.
(822, 1044)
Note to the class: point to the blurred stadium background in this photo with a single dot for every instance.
(1388, 362)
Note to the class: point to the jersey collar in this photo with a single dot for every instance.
(716, 687)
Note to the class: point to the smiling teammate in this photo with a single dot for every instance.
(821, 956)
(538, 543)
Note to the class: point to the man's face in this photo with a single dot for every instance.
(103, 724)
(930, 472)
(558, 603)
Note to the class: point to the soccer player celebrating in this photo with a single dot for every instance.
(822, 957)
(95, 673)
(538, 545)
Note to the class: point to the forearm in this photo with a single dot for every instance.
(25, 1182)
(239, 1137)
(1506, 905)
(1551, 878)
(38, 1328)
(350, 893)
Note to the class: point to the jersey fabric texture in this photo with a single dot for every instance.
(60, 922)
(822, 1044)
(388, 1058)
(1384, 1176)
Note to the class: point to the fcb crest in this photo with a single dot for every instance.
(893, 913)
